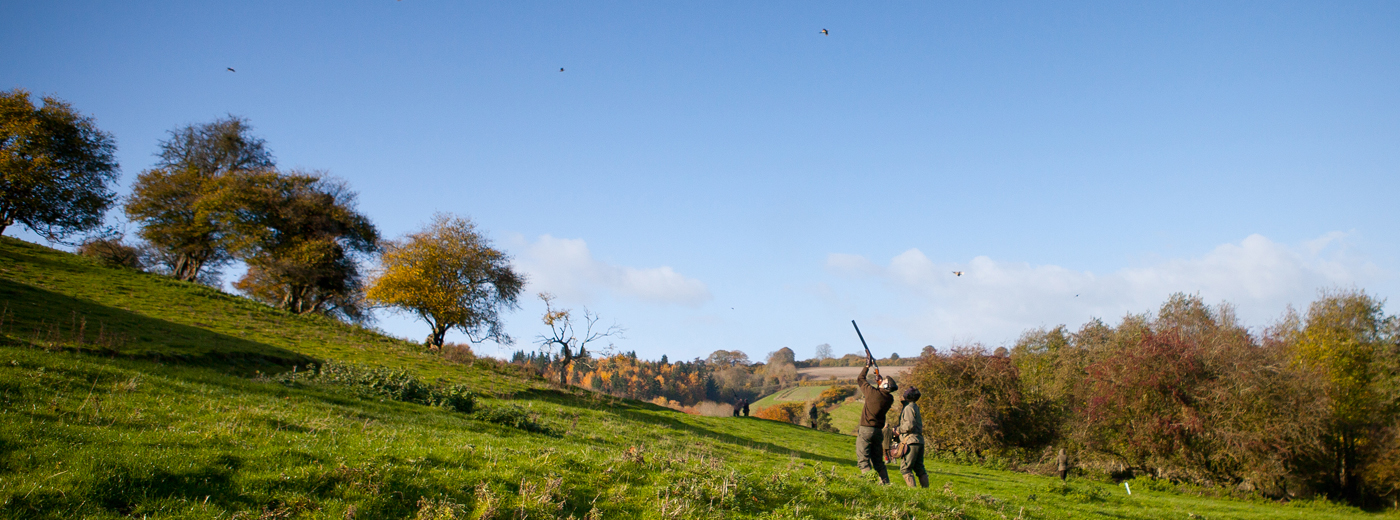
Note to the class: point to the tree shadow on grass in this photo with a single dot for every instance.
(39, 317)
(643, 412)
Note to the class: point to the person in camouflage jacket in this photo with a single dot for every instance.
(911, 434)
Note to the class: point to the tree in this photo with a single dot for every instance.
(215, 148)
(300, 235)
(782, 356)
(562, 335)
(112, 252)
(451, 277)
(782, 366)
(972, 401)
(1349, 342)
(728, 358)
(823, 351)
(55, 167)
(166, 200)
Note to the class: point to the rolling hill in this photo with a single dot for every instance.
(129, 395)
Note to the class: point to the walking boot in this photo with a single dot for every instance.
(923, 481)
(909, 480)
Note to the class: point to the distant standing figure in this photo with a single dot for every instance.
(1062, 464)
(869, 438)
(746, 407)
(812, 414)
(735, 411)
(911, 434)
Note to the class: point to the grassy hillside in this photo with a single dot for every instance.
(845, 416)
(159, 407)
(794, 394)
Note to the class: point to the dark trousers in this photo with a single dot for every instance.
(913, 462)
(868, 446)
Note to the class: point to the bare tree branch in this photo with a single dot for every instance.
(562, 334)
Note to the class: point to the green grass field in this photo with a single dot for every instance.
(796, 393)
(161, 411)
(845, 416)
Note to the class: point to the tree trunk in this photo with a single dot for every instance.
(5, 220)
(1348, 463)
(566, 356)
(187, 267)
(435, 340)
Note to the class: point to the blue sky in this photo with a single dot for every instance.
(721, 175)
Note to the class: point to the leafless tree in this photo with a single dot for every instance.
(563, 334)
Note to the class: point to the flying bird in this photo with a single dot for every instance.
(824, 33)
(230, 69)
(959, 273)
(561, 69)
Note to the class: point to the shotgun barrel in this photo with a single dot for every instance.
(867, 349)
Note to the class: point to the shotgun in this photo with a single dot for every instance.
(867, 350)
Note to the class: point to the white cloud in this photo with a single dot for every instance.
(994, 301)
(567, 268)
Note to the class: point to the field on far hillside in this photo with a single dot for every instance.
(846, 373)
(796, 393)
(844, 416)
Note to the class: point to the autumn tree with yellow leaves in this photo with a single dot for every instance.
(1352, 345)
(57, 168)
(450, 276)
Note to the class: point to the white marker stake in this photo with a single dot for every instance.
(1125, 486)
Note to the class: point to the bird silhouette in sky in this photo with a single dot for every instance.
(824, 33)
(230, 69)
(959, 273)
(561, 69)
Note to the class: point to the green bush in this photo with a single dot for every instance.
(1080, 493)
(512, 416)
(382, 383)
(112, 252)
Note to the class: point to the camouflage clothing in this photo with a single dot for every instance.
(911, 432)
(911, 424)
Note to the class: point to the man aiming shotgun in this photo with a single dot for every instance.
(878, 398)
